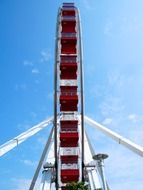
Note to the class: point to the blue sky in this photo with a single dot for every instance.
(113, 64)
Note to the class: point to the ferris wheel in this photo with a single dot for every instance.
(68, 155)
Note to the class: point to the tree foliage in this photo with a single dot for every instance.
(77, 186)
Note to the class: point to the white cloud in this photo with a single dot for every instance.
(23, 126)
(35, 71)
(45, 55)
(29, 162)
(22, 87)
(132, 117)
(107, 121)
(27, 63)
(111, 106)
(135, 118)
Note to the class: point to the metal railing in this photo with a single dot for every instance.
(70, 60)
(68, 8)
(68, 82)
(69, 116)
(68, 18)
(71, 93)
(69, 34)
(69, 151)
(69, 130)
(69, 166)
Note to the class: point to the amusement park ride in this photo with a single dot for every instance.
(68, 155)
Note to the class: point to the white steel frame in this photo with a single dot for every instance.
(48, 174)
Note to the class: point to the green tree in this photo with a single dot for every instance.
(77, 186)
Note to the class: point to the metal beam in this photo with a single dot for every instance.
(121, 140)
(24, 136)
(82, 90)
(41, 160)
(94, 178)
(56, 90)
(93, 154)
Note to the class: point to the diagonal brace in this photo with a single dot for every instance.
(24, 136)
(115, 136)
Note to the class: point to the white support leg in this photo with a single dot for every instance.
(94, 179)
(47, 182)
(24, 136)
(121, 140)
(47, 146)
